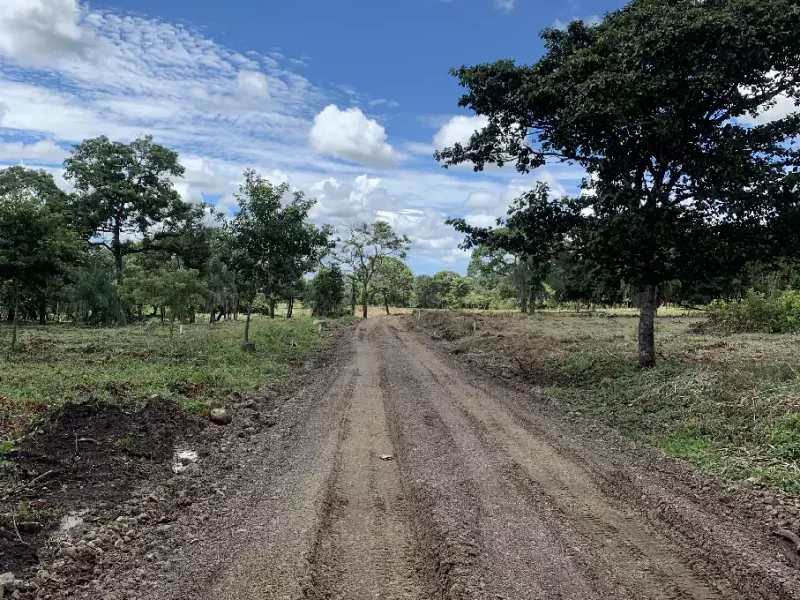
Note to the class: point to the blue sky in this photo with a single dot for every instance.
(345, 100)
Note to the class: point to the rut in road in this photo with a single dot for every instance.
(365, 548)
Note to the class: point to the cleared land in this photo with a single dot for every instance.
(390, 470)
(87, 415)
(730, 403)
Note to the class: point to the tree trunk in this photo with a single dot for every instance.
(353, 298)
(42, 312)
(192, 317)
(524, 304)
(116, 247)
(272, 304)
(386, 305)
(212, 314)
(16, 317)
(247, 326)
(162, 314)
(532, 305)
(364, 307)
(648, 305)
(290, 308)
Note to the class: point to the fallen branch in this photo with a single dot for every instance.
(19, 537)
(788, 535)
(38, 478)
(89, 440)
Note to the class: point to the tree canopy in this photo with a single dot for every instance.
(365, 248)
(663, 104)
(124, 190)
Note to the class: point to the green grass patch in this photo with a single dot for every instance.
(203, 365)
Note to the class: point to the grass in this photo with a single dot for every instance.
(729, 403)
(203, 366)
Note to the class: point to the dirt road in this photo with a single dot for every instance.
(402, 476)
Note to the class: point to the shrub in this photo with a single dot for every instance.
(758, 312)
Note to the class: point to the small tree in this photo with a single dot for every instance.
(459, 289)
(394, 282)
(124, 190)
(324, 294)
(179, 291)
(367, 245)
(663, 104)
(272, 244)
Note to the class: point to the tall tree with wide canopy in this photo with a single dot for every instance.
(125, 190)
(664, 103)
(366, 247)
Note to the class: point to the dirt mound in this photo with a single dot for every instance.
(86, 455)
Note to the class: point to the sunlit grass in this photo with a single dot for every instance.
(198, 365)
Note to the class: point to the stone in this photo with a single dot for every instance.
(6, 581)
(193, 470)
(220, 416)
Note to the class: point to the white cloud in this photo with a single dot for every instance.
(783, 107)
(350, 135)
(459, 129)
(124, 76)
(504, 5)
(43, 151)
(253, 84)
(481, 220)
(340, 203)
(41, 32)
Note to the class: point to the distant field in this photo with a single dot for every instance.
(203, 365)
(729, 403)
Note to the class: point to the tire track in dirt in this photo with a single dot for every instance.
(619, 545)
(271, 551)
(731, 554)
(365, 546)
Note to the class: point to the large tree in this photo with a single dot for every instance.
(125, 191)
(666, 104)
(273, 242)
(36, 243)
(366, 247)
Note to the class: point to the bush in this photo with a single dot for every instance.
(758, 312)
(325, 293)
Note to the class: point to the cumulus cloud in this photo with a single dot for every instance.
(343, 202)
(350, 135)
(459, 130)
(41, 32)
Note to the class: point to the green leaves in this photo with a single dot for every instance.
(124, 189)
(271, 242)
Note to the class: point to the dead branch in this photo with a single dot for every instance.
(38, 478)
(788, 535)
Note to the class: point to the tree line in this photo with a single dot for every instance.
(123, 246)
